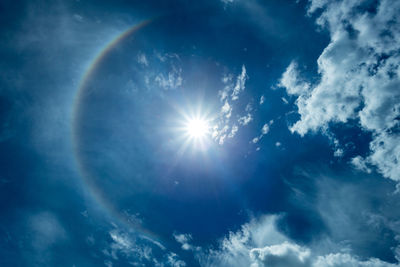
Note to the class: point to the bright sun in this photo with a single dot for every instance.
(197, 128)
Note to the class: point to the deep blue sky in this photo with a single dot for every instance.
(299, 167)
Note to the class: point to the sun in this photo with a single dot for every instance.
(197, 128)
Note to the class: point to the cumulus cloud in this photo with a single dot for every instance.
(260, 243)
(285, 254)
(291, 80)
(347, 260)
(359, 77)
(234, 250)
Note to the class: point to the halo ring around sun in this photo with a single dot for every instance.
(97, 194)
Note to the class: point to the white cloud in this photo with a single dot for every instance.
(347, 260)
(240, 84)
(226, 109)
(259, 243)
(227, 1)
(360, 164)
(234, 130)
(360, 70)
(139, 250)
(184, 240)
(226, 126)
(171, 81)
(227, 80)
(245, 119)
(121, 241)
(235, 249)
(142, 59)
(174, 261)
(281, 255)
(249, 107)
(338, 152)
(262, 100)
(292, 81)
(264, 131)
(386, 154)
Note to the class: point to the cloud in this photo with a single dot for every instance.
(233, 132)
(360, 164)
(234, 249)
(166, 72)
(142, 59)
(359, 77)
(226, 109)
(138, 250)
(291, 80)
(184, 240)
(172, 80)
(42, 236)
(347, 260)
(174, 261)
(226, 125)
(285, 254)
(264, 131)
(262, 100)
(240, 84)
(46, 230)
(260, 243)
(227, 80)
(227, 1)
(245, 119)
(365, 233)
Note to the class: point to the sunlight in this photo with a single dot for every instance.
(197, 128)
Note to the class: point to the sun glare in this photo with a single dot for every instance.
(197, 128)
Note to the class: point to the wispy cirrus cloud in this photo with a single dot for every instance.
(226, 125)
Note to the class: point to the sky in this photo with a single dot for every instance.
(200, 133)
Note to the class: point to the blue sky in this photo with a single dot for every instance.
(202, 133)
